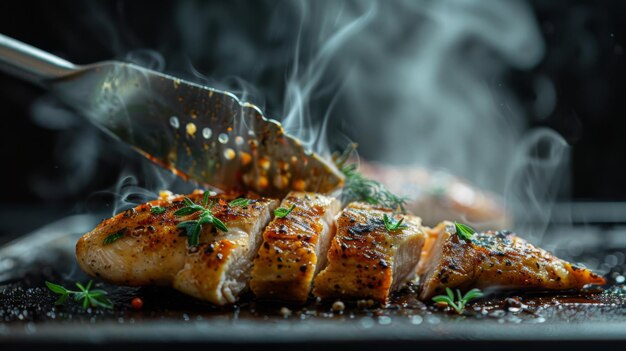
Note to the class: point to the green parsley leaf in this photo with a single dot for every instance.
(113, 237)
(461, 300)
(157, 210)
(87, 297)
(464, 231)
(241, 202)
(392, 225)
(283, 212)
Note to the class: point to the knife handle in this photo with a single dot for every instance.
(30, 63)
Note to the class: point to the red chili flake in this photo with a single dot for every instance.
(137, 303)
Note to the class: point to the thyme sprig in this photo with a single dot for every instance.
(359, 188)
(461, 300)
(193, 228)
(392, 225)
(88, 297)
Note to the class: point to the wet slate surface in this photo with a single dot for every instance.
(28, 315)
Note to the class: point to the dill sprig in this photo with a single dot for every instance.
(357, 187)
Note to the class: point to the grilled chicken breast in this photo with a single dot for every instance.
(365, 259)
(153, 250)
(294, 247)
(496, 260)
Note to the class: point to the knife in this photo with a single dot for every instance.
(199, 133)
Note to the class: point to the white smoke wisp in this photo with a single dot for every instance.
(412, 82)
(424, 83)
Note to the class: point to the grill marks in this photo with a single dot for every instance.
(294, 248)
(363, 260)
(499, 260)
(366, 260)
(216, 270)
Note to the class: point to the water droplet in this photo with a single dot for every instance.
(384, 320)
(416, 320)
(174, 122)
(229, 154)
(206, 133)
(366, 322)
(223, 138)
(239, 140)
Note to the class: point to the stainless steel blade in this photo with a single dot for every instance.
(198, 132)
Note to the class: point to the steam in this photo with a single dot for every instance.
(417, 83)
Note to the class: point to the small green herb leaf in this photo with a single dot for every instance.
(157, 210)
(205, 199)
(283, 212)
(93, 298)
(461, 300)
(55, 288)
(185, 211)
(392, 225)
(241, 202)
(464, 231)
(113, 237)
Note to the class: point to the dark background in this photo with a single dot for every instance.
(584, 59)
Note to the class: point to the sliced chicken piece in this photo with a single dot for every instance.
(151, 249)
(365, 259)
(294, 247)
(496, 260)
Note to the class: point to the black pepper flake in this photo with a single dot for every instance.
(344, 246)
(303, 268)
(210, 249)
(219, 256)
(266, 245)
(383, 264)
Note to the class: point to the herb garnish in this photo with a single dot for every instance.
(192, 227)
(464, 231)
(242, 202)
(283, 212)
(359, 188)
(392, 225)
(93, 298)
(113, 237)
(462, 300)
(157, 210)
